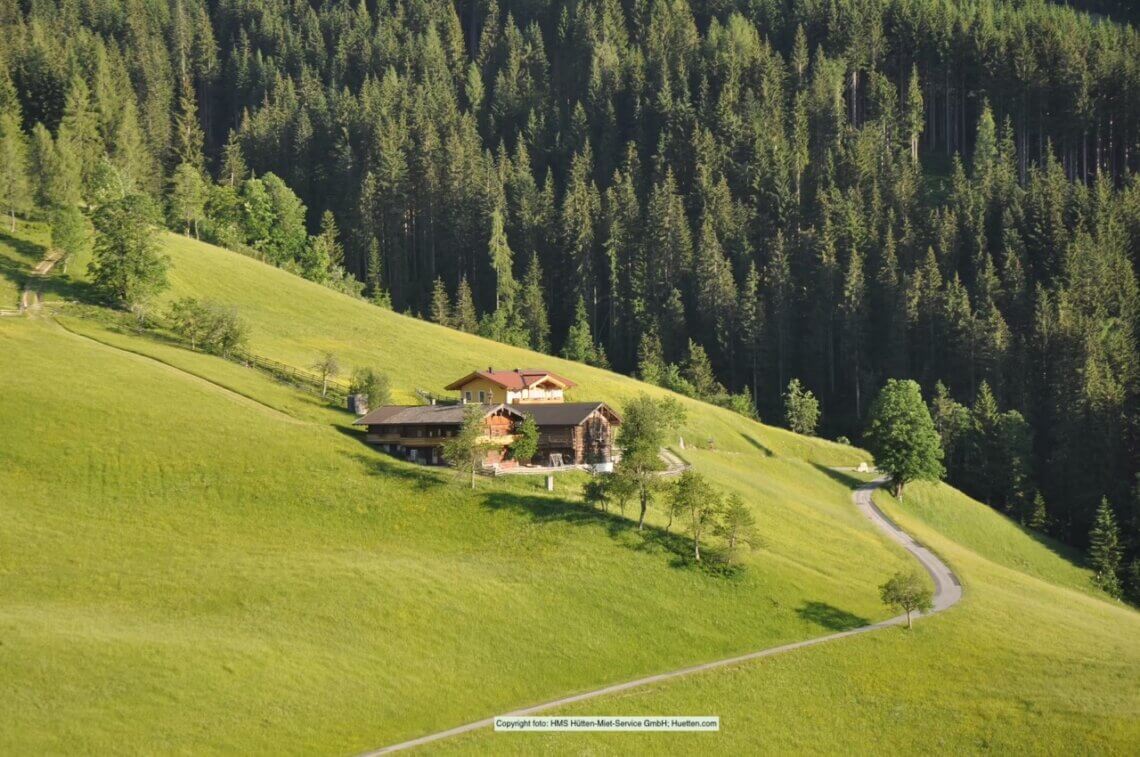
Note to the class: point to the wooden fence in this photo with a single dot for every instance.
(306, 379)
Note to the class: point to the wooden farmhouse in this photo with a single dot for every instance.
(570, 433)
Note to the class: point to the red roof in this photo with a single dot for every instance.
(517, 379)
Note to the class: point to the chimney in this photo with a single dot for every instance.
(490, 369)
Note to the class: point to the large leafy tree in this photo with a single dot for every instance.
(902, 437)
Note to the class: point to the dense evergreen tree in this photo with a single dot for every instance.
(15, 191)
(127, 265)
(440, 304)
(1104, 549)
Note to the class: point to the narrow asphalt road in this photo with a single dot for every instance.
(947, 592)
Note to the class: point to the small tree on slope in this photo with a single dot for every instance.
(526, 441)
(907, 592)
(1104, 549)
(328, 367)
(696, 500)
(641, 435)
(902, 437)
(801, 409)
(465, 450)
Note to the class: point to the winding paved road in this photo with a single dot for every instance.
(947, 592)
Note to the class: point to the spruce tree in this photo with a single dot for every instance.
(501, 257)
(188, 136)
(650, 358)
(440, 304)
(531, 306)
(374, 268)
(233, 168)
(801, 409)
(915, 114)
(127, 265)
(464, 317)
(579, 344)
(716, 289)
(580, 207)
(699, 373)
(15, 191)
(750, 309)
(1039, 516)
(1105, 552)
(79, 138)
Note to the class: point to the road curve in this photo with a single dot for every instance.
(947, 592)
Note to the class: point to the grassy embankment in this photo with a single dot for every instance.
(194, 556)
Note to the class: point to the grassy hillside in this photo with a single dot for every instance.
(295, 321)
(197, 557)
(1024, 664)
(194, 557)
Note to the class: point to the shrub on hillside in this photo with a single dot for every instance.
(801, 409)
(373, 384)
(214, 328)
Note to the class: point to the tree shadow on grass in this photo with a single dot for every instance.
(12, 269)
(56, 285)
(830, 617)
(421, 478)
(756, 443)
(676, 548)
(59, 286)
(847, 478)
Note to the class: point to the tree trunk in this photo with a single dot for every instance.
(697, 547)
(324, 385)
(644, 507)
(908, 621)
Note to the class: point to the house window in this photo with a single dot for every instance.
(482, 397)
(467, 396)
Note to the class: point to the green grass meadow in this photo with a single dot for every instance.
(197, 558)
(1031, 661)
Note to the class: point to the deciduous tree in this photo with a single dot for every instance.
(907, 592)
(901, 436)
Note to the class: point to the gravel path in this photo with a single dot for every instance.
(947, 592)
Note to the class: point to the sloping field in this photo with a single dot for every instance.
(196, 558)
(1031, 661)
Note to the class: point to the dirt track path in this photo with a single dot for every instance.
(947, 592)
